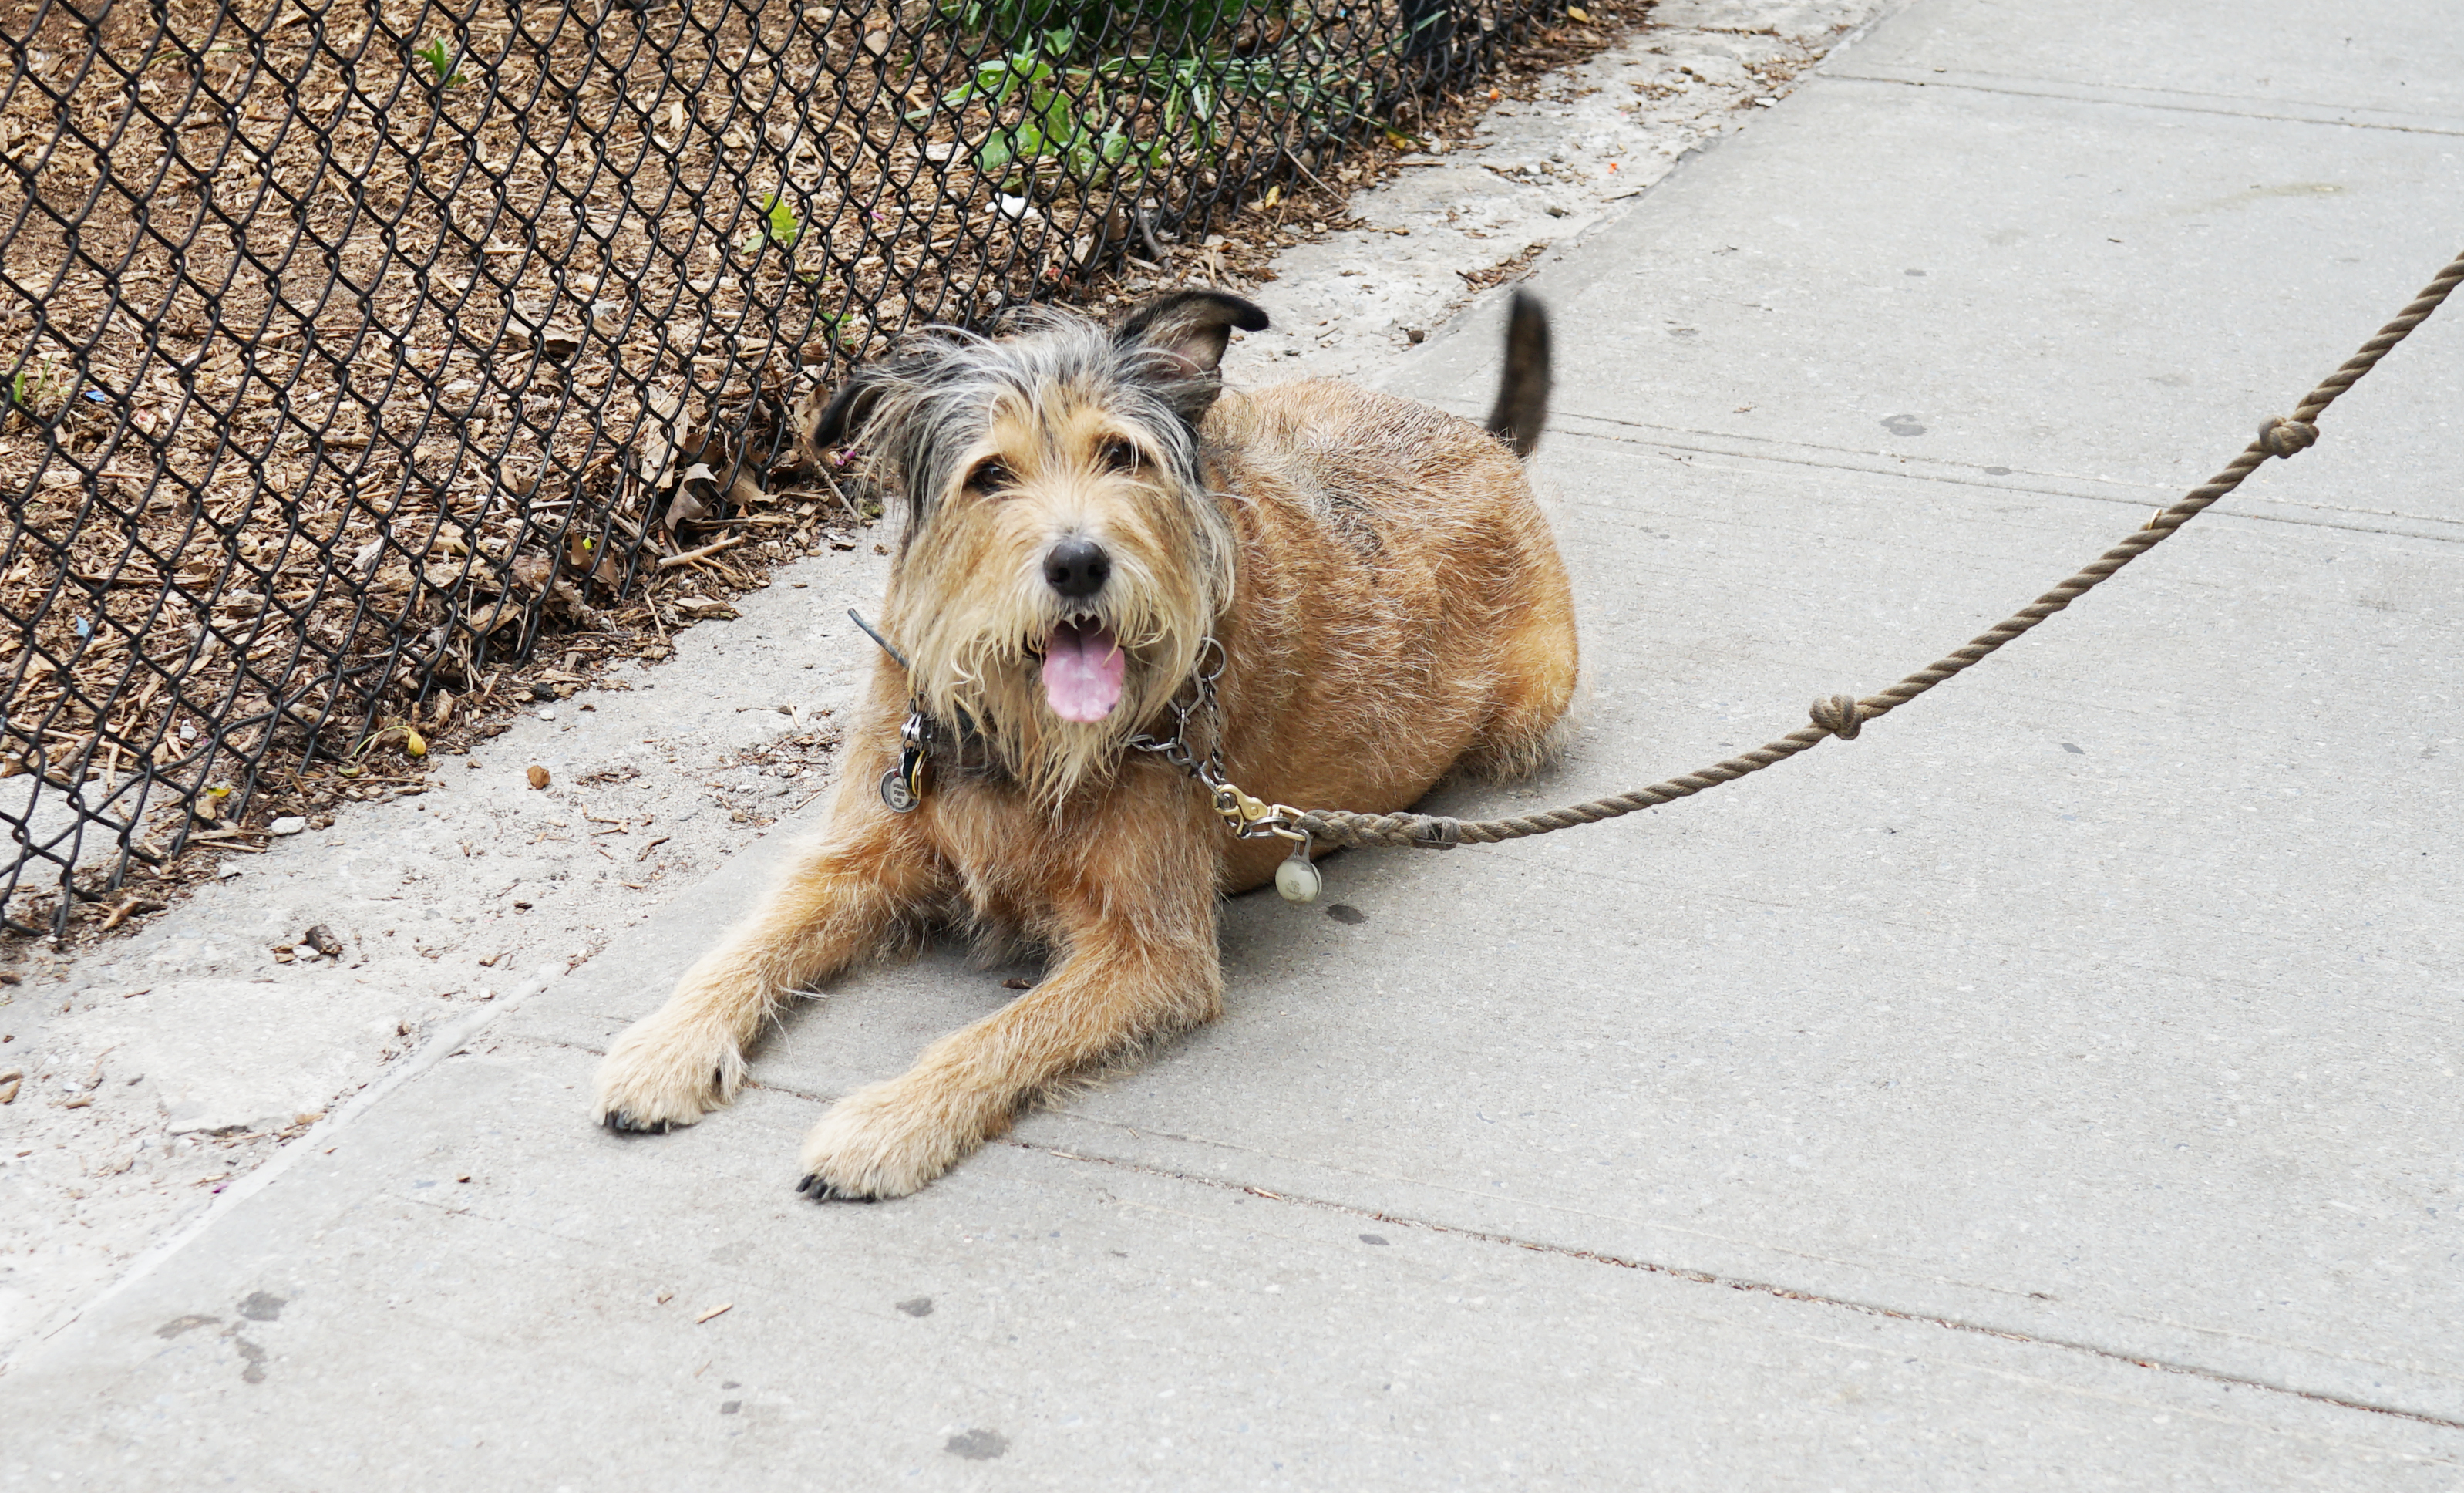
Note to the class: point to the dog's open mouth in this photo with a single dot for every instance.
(1083, 664)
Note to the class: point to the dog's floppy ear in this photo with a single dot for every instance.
(1190, 329)
(842, 417)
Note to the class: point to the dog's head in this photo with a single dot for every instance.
(1062, 562)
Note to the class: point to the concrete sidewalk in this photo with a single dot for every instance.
(2055, 1087)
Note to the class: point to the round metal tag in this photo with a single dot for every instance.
(895, 793)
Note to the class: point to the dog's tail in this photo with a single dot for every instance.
(1523, 399)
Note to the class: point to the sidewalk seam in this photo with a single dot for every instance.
(1751, 1286)
(1991, 486)
(1653, 1267)
(2179, 103)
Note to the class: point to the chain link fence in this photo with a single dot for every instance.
(351, 347)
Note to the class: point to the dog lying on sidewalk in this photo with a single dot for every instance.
(1114, 575)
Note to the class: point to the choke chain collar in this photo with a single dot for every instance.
(1244, 813)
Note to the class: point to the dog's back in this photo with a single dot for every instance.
(1400, 569)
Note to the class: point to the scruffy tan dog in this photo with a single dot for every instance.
(1326, 596)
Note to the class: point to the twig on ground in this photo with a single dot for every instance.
(692, 556)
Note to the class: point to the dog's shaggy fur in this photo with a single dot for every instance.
(1389, 606)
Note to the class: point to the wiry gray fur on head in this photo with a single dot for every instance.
(933, 401)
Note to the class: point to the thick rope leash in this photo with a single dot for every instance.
(1844, 715)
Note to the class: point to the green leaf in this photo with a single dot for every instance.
(780, 222)
(441, 63)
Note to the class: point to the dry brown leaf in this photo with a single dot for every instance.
(585, 555)
(806, 422)
(533, 571)
(685, 509)
(662, 429)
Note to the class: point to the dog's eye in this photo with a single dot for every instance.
(1119, 456)
(988, 476)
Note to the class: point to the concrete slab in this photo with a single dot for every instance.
(1036, 1320)
(2003, 290)
(476, 890)
(2107, 997)
(2140, 1044)
(206, 1080)
(2201, 819)
(2391, 65)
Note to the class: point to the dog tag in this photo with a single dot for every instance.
(902, 786)
(1296, 878)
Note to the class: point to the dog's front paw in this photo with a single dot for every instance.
(664, 1072)
(883, 1141)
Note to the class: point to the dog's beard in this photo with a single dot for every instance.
(1054, 689)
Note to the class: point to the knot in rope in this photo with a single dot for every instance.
(1840, 715)
(2283, 435)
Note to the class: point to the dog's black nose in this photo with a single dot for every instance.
(1077, 567)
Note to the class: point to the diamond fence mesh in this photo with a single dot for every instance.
(347, 348)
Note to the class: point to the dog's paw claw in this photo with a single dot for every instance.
(654, 1080)
(877, 1144)
(820, 1192)
(622, 1123)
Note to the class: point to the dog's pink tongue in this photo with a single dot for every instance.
(1082, 672)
